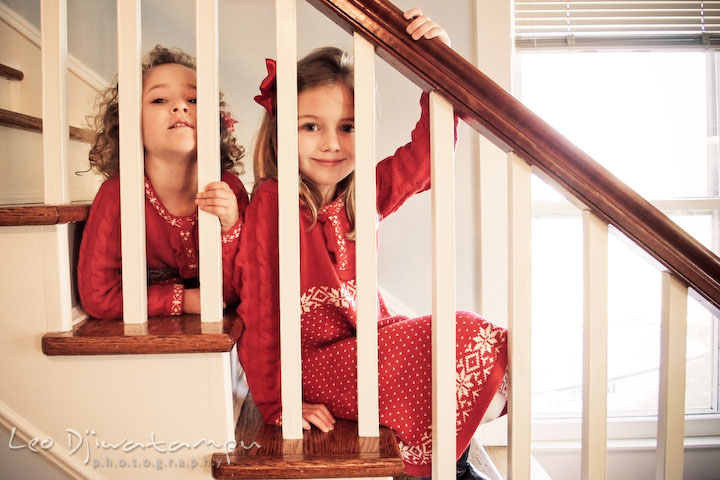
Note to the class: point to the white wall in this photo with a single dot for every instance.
(21, 179)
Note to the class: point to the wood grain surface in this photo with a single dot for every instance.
(18, 215)
(34, 124)
(173, 334)
(262, 452)
(10, 73)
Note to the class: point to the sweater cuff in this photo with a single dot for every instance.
(232, 234)
(178, 299)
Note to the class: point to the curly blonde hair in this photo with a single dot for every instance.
(323, 66)
(104, 153)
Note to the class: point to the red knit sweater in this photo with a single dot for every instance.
(172, 253)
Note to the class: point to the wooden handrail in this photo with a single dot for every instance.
(21, 215)
(10, 73)
(27, 122)
(511, 126)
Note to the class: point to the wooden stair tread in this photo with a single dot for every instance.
(172, 334)
(12, 119)
(10, 73)
(42, 214)
(336, 454)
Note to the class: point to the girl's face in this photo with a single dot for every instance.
(326, 138)
(169, 111)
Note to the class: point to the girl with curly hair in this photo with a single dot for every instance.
(169, 121)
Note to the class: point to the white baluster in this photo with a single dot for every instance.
(55, 161)
(519, 220)
(671, 411)
(595, 339)
(493, 57)
(444, 398)
(493, 49)
(54, 100)
(289, 217)
(132, 165)
(208, 152)
(365, 241)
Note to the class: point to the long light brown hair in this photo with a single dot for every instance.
(324, 66)
(104, 154)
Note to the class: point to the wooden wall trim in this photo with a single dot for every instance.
(21, 215)
(511, 126)
(10, 73)
(34, 124)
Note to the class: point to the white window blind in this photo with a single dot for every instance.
(596, 23)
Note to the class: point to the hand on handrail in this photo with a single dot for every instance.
(421, 26)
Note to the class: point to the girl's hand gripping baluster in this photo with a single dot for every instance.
(219, 199)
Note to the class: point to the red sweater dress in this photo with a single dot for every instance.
(329, 357)
(172, 253)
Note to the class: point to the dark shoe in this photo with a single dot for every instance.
(465, 470)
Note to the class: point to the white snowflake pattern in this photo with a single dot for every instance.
(178, 292)
(333, 214)
(157, 205)
(420, 454)
(343, 297)
(474, 367)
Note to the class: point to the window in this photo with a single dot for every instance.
(651, 118)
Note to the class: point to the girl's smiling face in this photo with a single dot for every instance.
(169, 115)
(326, 138)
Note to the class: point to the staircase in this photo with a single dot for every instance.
(175, 382)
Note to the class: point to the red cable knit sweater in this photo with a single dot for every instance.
(172, 253)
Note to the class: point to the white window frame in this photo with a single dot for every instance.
(564, 432)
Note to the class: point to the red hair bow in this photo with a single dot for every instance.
(228, 121)
(267, 88)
